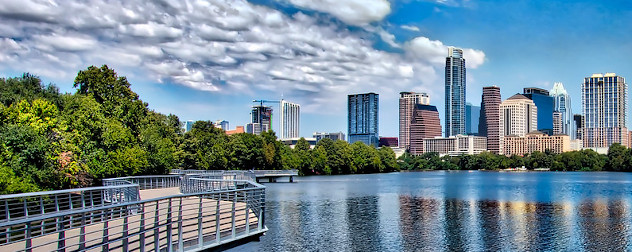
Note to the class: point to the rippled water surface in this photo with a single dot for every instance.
(450, 211)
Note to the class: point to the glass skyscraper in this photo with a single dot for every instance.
(544, 102)
(454, 92)
(472, 114)
(289, 119)
(262, 117)
(562, 104)
(363, 118)
(604, 105)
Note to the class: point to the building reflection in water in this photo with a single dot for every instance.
(433, 224)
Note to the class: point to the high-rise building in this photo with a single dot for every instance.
(262, 116)
(604, 106)
(256, 128)
(407, 102)
(557, 123)
(489, 121)
(425, 124)
(562, 104)
(289, 116)
(454, 92)
(333, 136)
(518, 117)
(456, 145)
(188, 125)
(388, 142)
(579, 126)
(544, 102)
(472, 117)
(363, 118)
(222, 124)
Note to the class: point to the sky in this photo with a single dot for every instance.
(208, 60)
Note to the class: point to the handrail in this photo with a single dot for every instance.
(210, 212)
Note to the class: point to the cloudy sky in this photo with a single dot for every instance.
(207, 60)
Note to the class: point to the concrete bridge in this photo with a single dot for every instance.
(183, 212)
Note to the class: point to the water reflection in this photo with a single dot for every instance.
(457, 212)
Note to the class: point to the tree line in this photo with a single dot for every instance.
(619, 158)
(50, 140)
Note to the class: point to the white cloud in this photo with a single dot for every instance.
(224, 46)
(353, 12)
(410, 27)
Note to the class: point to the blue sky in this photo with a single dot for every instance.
(207, 60)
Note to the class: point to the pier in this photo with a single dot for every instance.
(178, 212)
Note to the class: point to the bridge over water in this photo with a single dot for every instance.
(188, 211)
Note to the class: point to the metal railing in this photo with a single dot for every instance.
(146, 182)
(276, 172)
(211, 212)
(218, 174)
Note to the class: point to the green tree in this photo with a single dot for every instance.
(617, 155)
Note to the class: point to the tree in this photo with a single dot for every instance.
(617, 155)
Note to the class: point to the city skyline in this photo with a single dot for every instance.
(209, 67)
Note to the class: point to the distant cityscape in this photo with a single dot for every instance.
(534, 120)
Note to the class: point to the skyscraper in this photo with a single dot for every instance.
(562, 104)
(604, 105)
(425, 124)
(579, 125)
(407, 103)
(363, 118)
(454, 92)
(472, 116)
(489, 122)
(518, 116)
(557, 123)
(222, 124)
(544, 102)
(289, 116)
(262, 117)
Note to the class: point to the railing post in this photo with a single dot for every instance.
(200, 233)
(247, 200)
(82, 233)
(29, 245)
(232, 213)
(61, 240)
(217, 226)
(142, 229)
(125, 231)
(106, 236)
(180, 237)
(157, 227)
(169, 227)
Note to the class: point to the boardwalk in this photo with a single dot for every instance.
(164, 219)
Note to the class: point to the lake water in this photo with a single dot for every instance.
(450, 211)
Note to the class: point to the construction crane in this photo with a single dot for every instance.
(261, 102)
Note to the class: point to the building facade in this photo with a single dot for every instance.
(222, 124)
(425, 124)
(333, 136)
(363, 118)
(472, 117)
(388, 142)
(188, 125)
(262, 117)
(256, 128)
(535, 141)
(604, 106)
(407, 102)
(289, 116)
(454, 92)
(544, 102)
(456, 145)
(562, 104)
(579, 126)
(518, 117)
(557, 123)
(489, 121)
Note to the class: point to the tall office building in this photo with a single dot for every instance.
(604, 105)
(454, 92)
(188, 125)
(562, 104)
(579, 125)
(518, 117)
(472, 117)
(425, 124)
(289, 116)
(333, 136)
(544, 102)
(222, 124)
(407, 103)
(363, 118)
(557, 123)
(489, 120)
(262, 117)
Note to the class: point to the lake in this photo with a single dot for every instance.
(450, 211)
